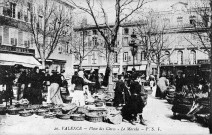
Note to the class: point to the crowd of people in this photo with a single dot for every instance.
(181, 82)
(129, 92)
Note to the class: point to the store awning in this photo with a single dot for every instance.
(129, 68)
(115, 70)
(12, 59)
(142, 67)
(102, 70)
(137, 68)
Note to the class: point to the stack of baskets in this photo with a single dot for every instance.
(181, 104)
(170, 95)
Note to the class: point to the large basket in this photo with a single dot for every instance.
(14, 111)
(94, 118)
(78, 117)
(82, 110)
(2, 110)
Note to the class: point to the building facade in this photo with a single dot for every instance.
(16, 38)
(183, 51)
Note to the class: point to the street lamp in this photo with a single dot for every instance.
(134, 46)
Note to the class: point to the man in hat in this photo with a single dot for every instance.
(121, 92)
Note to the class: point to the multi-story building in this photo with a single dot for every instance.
(184, 51)
(17, 43)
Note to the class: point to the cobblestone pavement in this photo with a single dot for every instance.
(157, 113)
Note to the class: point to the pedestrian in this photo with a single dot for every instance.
(36, 84)
(55, 96)
(138, 99)
(78, 97)
(122, 94)
(162, 86)
(8, 81)
(94, 86)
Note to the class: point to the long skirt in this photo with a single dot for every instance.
(36, 96)
(55, 96)
(78, 98)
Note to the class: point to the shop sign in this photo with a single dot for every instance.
(206, 61)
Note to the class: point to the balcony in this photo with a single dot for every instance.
(17, 50)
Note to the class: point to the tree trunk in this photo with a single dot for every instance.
(43, 63)
(148, 68)
(158, 71)
(80, 64)
(110, 65)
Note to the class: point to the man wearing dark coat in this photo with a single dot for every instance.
(121, 92)
(137, 102)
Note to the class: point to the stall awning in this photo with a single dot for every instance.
(142, 67)
(102, 70)
(137, 68)
(12, 59)
(115, 70)
(129, 68)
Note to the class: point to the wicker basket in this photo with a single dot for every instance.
(3, 110)
(25, 113)
(94, 117)
(78, 117)
(41, 112)
(14, 111)
(63, 116)
(82, 110)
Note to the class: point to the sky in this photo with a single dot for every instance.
(109, 6)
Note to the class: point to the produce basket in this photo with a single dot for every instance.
(70, 108)
(3, 110)
(14, 111)
(63, 116)
(181, 108)
(25, 113)
(56, 109)
(41, 112)
(50, 115)
(78, 117)
(94, 117)
(82, 110)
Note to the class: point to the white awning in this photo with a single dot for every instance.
(115, 70)
(142, 67)
(129, 68)
(102, 70)
(12, 59)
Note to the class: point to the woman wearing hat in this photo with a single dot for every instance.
(137, 102)
(121, 92)
(56, 82)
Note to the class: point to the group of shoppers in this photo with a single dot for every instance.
(180, 82)
(32, 83)
(131, 97)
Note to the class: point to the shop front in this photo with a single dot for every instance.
(8, 59)
(141, 69)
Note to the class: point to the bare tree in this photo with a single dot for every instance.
(49, 26)
(110, 37)
(155, 39)
(79, 47)
(200, 23)
(202, 30)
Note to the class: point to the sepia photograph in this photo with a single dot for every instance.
(105, 67)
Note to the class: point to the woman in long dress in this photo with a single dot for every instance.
(56, 82)
(79, 98)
